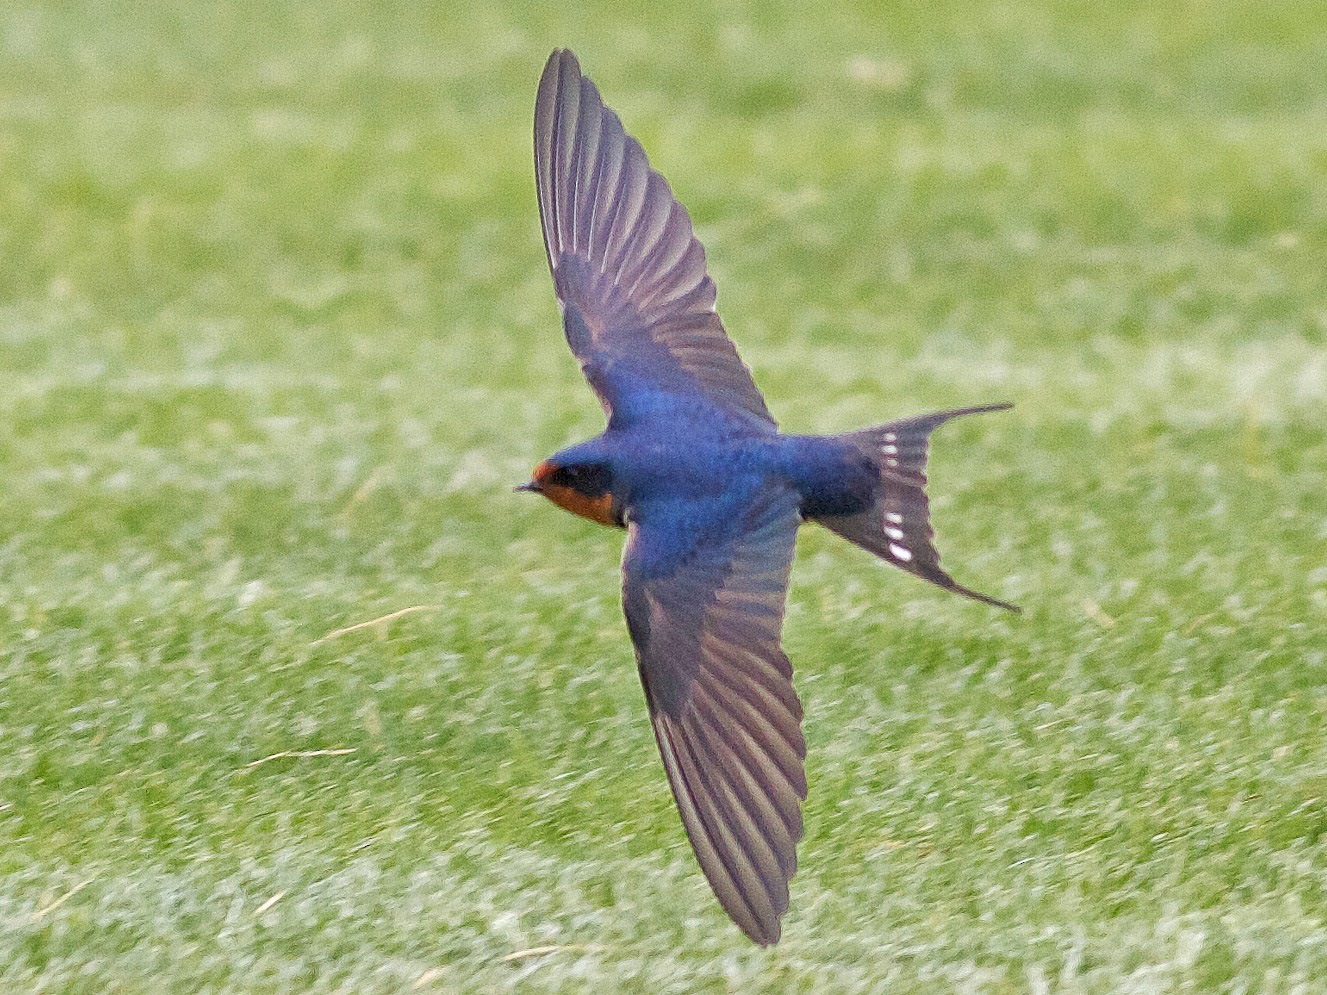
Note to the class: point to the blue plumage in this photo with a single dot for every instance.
(693, 465)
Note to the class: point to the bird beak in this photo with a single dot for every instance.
(531, 486)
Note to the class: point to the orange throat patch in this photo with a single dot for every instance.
(596, 509)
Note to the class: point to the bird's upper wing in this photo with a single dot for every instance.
(705, 615)
(637, 304)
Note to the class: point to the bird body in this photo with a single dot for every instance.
(644, 465)
(693, 465)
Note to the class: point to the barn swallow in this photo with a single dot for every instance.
(710, 492)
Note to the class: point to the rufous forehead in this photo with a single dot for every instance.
(543, 471)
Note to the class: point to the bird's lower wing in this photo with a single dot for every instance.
(706, 623)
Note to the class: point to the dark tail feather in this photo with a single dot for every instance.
(897, 527)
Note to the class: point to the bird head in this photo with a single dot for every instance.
(584, 489)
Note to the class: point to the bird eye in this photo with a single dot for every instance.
(589, 478)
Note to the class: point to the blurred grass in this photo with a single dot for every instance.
(277, 337)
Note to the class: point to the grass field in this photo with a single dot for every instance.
(277, 338)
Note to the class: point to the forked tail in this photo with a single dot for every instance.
(897, 526)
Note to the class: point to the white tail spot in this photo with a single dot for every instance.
(893, 533)
(889, 449)
(891, 462)
(894, 518)
(900, 552)
(891, 437)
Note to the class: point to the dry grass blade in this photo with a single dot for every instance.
(553, 948)
(269, 903)
(380, 620)
(300, 754)
(47, 909)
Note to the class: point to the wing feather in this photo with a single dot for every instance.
(706, 624)
(628, 270)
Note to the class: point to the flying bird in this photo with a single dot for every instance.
(710, 492)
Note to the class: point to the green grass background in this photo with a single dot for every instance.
(276, 340)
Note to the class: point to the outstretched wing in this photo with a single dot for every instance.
(637, 304)
(705, 615)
